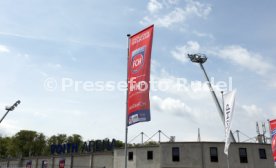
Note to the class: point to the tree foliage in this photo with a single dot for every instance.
(75, 138)
(27, 143)
(4, 146)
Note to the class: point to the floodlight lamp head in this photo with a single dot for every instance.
(198, 58)
(17, 102)
(8, 108)
(11, 108)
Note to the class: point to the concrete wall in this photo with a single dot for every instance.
(192, 155)
(254, 160)
(139, 158)
(3, 164)
(103, 160)
(119, 158)
(197, 155)
(82, 161)
(94, 160)
(12, 163)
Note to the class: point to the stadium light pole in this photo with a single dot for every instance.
(200, 59)
(10, 108)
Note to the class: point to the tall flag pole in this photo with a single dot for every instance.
(228, 108)
(138, 79)
(272, 126)
(126, 126)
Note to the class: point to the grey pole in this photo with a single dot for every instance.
(142, 133)
(228, 161)
(126, 126)
(216, 101)
(198, 135)
(159, 132)
(222, 102)
(238, 134)
(270, 135)
(4, 116)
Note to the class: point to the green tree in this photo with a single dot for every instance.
(75, 138)
(4, 146)
(39, 145)
(57, 139)
(54, 139)
(27, 143)
(151, 143)
(119, 144)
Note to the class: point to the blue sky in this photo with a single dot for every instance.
(86, 41)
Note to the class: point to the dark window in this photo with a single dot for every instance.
(262, 153)
(150, 155)
(243, 155)
(130, 155)
(175, 154)
(214, 154)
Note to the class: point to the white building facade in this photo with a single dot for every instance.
(164, 155)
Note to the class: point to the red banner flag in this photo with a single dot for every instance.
(139, 56)
(273, 137)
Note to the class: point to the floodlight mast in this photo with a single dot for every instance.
(200, 59)
(10, 108)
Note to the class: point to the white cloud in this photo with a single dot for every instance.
(9, 127)
(154, 6)
(198, 109)
(172, 2)
(166, 17)
(180, 53)
(234, 53)
(155, 65)
(197, 8)
(245, 58)
(171, 105)
(200, 34)
(252, 110)
(181, 87)
(4, 49)
(249, 114)
(176, 16)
